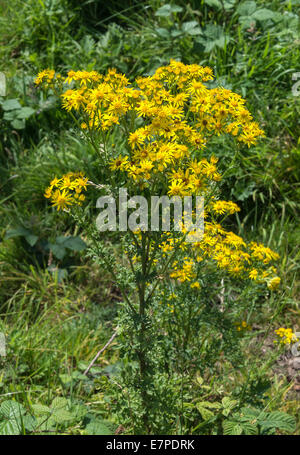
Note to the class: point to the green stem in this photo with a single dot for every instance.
(143, 364)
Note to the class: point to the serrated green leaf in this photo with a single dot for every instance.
(43, 423)
(191, 28)
(59, 403)
(61, 415)
(204, 409)
(206, 414)
(251, 414)
(78, 410)
(11, 409)
(98, 427)
(29, 422)
(228, 405)
(249, 428)
(232, 428)
(40, 409)
(279, 420)
(10, 427)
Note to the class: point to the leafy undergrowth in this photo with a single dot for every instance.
(58, 309)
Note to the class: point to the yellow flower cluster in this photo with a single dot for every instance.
(67, 190)
(223, 207)
(242, 326)
(47, 77)
(286, 336)
(176, 115)
(273, 283)
(167, 120)
(229, 251)
(185, 272)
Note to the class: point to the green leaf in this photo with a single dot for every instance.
(61, 415)
(167, 10)
(163, 32)
(228, 405)
(44, 424)
(19, 231)
(58, 250)
(31, 239)
(12, 412)
(213, 36)
(228, 4)
(25, 112)
(199, 379)
(9, 105)
(235, 427)
(10, 115)
(59, 403)
(29, 422)
(232, 428)
(60, 273)
(98, 427)
(214, 3)
(59, 411)
(263, 14)
(249, 414)
(12, 409)
(247, 22)
(40, 409)
(191, 28)
(78, 410)
(60, 240)
(246, 8)
(249, 428)
(75, 244)
(18, 124)
(206, 413)
(10, 427)
(279, 420)
(175, 33)
(65, 378)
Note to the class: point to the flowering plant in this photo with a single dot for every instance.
(152, 137)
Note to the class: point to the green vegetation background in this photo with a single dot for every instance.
(57, 307)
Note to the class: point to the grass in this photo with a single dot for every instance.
(55, 327)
